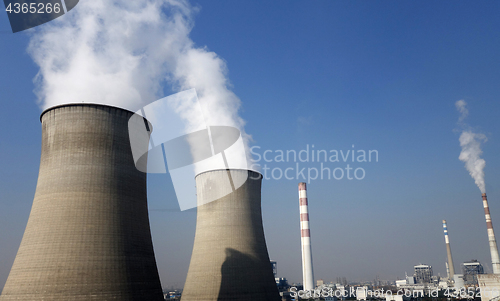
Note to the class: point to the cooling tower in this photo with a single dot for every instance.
(88, 235)
(451, 268)
(305, 240)
(229, 259)
(495, 261)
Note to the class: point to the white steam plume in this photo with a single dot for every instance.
(122, 53)
(462, 108)
(471, 148)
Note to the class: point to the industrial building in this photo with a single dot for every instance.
(274, 265)
(88, 234)
(423, 273)
(470, 270)
(489, 285)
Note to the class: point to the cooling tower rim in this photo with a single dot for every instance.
(83, 104)
(226, 169)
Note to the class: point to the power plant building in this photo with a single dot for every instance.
(423, 273)
(489, 285)
(88, 235)
(274, 264)
(470, 270)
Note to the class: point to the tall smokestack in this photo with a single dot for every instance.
(450, 266)
(495, 261)
(229, 259)
(305, 240)
(88, 235)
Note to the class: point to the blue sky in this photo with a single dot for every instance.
(378, 75)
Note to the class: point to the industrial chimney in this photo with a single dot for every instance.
(88, 234)
(305, 240)
(229, 259)
(450, 266)
(495, 261)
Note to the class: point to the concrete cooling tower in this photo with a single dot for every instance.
(229, 259)
(88, 235)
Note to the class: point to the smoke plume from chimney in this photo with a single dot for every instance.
(471, 148)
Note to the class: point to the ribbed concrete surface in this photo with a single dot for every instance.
(88, 235)
(230, 259)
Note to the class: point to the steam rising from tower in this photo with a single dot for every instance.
(128, 54)
(450, 266)
(88, 235)
(495, 260)
(305, 240)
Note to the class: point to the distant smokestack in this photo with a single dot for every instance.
(88, 235)
(305, 240)
(450, 267)
(229, 259)
(495, 260)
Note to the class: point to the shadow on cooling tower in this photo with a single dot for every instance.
(236, 272)
(230, 259)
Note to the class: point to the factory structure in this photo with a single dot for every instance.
(473, 271)
(88, 234)
(423, 273)
(424, 278)
(470, 270)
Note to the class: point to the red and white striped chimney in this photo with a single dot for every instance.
(305, 239)
(495, 261)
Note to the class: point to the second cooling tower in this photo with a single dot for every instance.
(88, 235)
(230, 259)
